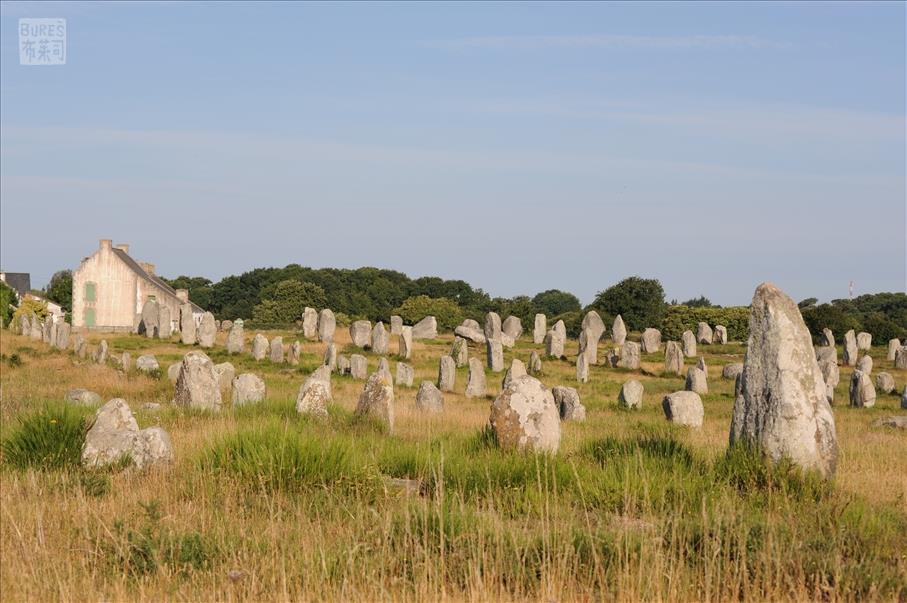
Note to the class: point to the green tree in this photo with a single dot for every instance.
(640, 301)
(446, 311)
(59, 289)
(554, 302)
(29, 307)
(7, 303)
(284, 302)
(698, 302)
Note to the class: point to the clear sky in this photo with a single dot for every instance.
(519, 147)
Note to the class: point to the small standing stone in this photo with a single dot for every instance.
(594, 323)
(277, 350)
(512, 327)
(405, 343)
(358, 366)
(165, 324)
(207, 331)
(360, 333)
(315, 393)
(535, 363)
(236, 342)
(429, 398)
(720, 335)
(540, 328)
(650, 341)
(696, 381)
(862, 392)
(683, 408)
(330, 357)
(525, 416)
(248, 389)
(187, 325)
(294, 354)
(704, 333)
(630, 394)
(225, 372)
(885, 383)
(850, 348)
(865, 364)
(475, 387)
(673, 358)
(405, 374)
(582, 368)
(447, 374)
(327, 323)
(629, 355)
(554, 344)
(588, 346)
(377, 399)
(459, 351)
(427, 328)
(379, 338)
(343, 364)
(517, 369)
(196, 385)
(619, 331)
(396, 325)
(689, 344)
(147, 363)
(900, 358)
(101, 354)
(828, 337)
(494, 354)
(568, 403)
(864, 340)
(730, 371)
(310, 323)
(893, 346)
(561, 329)
(259, 346)
(492, 326)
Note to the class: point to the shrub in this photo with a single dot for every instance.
(554, 302)
(681, 318)
(448, 314)
(572, 320)
(827, 316)
(7, 303)
(284, 302)
(28, 307)
(48, 439)
(639, 301)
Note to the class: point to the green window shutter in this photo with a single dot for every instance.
(90, 292)
(89, 315)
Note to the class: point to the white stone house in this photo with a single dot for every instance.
(109, 289)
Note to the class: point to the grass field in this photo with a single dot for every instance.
(261, 505)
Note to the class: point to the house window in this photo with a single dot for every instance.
(89, 314)
(90, 292)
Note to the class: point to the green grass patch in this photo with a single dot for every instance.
(50, 438)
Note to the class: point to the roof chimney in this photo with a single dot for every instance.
(149, 268)
(183, 295)
(106, 243)
(124, 247)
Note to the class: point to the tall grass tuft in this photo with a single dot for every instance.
(50, 438)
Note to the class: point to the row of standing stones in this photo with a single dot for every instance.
(781, 371)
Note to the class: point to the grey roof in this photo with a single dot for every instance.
(20, 282)
(153, 278)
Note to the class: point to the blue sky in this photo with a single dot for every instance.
(519, 147)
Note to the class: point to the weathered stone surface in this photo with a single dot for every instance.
(152, 448)
(629, 355)
(310, 323)
(64, 329)
(361, 333)
(343, 364)
(673, 358)
(294, 354)
(427, 328)
(512, 327)
(46, 328)
(704, 333)
(447, 374)
(377, 399)
(700, 364)
(850, 348)
(862, 392)
(405, 343)
(683, 408)
(593, 322)
(619, 331)
(473, 334)
(327, 324)
(173, 371)
(405, 374)
(384, 368)
(259, 346)
(380, 338)
(459, 351)
(865, 364)
(124, 361)
(539, 329)
(115, 435)
(864, 340)
(429, 398)
(688, 340)
(588, 346)
(330, 356)
(187, 325)
(828, 338)
(494, 355)
(492, 328)
(730, 371)
(554, 345)
(720, 335)
(315, 393)
(561, 329)
(525, 417)
(569, 406)
(80, 347)
(83, 397)
(630, 395)
(36, 330)
(147, 363)
(196, 384)
(783, 407)
(396, 325)
(535, 363)
(895, 422)
(225, 326)
(248, 389)
(904, 398)
(900, 358)
(696, 381)
(165, 323)
(475, 386)
(893, 347)
(150, 322)
(517, 369)
(472, 324)
(225, 373)
(885, 383)
(650, 341)
(358, 366)
(832, 376)
(207, 331)
(827, 353)
(276, 353)
(236, 342)
(582, 368)
(101, 353)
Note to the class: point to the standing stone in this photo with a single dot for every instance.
(582, 368)
(475, 387)
(196, 385)
(46, 328)
(700, 364)
(248, 389)
(683, 408)
(862, 392)
(82, 397)
(259, 346)
(885, 383)
(568, 403)
(225, 372)
(720, 335)
(850, 348)
(64, 329)
(405, 343)
(165, 324)
(492, 326)
(689, 344)
(588, 346)
(651, 341)
(379, 338)
(832, 376)
(115, 436)
(512, 327)
(405, 374)
(900, 358)
(125, 361)
(535, 363)
(517, 369)
(173, 371)
(629, 355)
(864, 340)
(730, 371)
(630, 395)
(673, 358)
(593, 322)
(828, 337)
(427, 328)
(150, 324)
(396, 325)
(619, 331)
(37, 331)
(554, 344)
(207, 331)
(101, 354)
(358, 366)
(696, 381)
(827, 352)
(330, 357)
(310, 323)
(865, 364)
(893, 346)
(494, 351)
(52, 332)
(782, 407)
(360, 333)
(80, 346)
(459, 351)
(187, 325)
(315, 393)
(147, 363)
(277, 350)
(539, 329)
(429, 398)
(343, 365)
(225, 326)
(294, 354)
(384, 368)
(525, 416)
(704, 333)
(236, 342)
(470, 330)
(904, 398)
(561, 329)
(377, 399)
(327, 323)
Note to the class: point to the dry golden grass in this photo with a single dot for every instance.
(60, 543)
